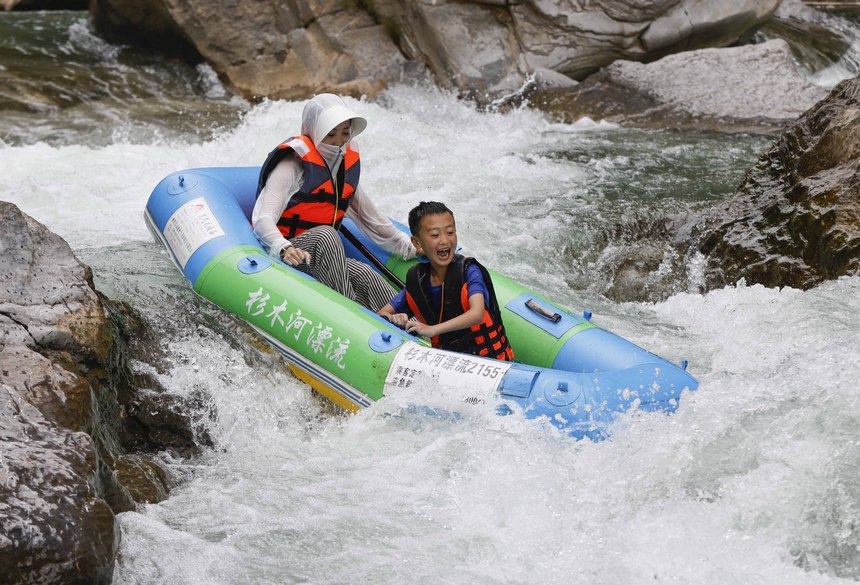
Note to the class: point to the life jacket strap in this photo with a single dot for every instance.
(294, 225)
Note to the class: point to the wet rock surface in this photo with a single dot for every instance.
(262, 49)
(79, 429)
(795, 219)
(54, 526)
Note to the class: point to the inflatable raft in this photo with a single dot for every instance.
(568, 371)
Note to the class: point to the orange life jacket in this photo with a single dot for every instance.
(322, 199)
(487, 338)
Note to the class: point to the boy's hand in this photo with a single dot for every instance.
(399, 319)
(419, 328)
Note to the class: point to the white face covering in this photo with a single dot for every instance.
(332, 155)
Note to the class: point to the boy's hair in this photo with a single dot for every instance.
(423, 209)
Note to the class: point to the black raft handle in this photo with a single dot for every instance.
(543, 311)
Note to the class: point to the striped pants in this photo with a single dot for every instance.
(351, 278)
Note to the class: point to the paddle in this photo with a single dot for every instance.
(373, 259)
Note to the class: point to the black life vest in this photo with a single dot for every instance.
(487, 338)
(322, 199)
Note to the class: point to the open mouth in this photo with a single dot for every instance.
(443, 253)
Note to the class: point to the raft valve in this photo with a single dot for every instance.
(382, 341)
(586, 315)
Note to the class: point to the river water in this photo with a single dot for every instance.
(755, 479)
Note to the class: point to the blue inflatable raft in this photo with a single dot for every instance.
(573, 374)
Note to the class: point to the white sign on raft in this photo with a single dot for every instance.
(191, 226)
(478, 377)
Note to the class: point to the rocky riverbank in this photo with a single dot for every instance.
(793, 221)
(484, 50)
(708, 90)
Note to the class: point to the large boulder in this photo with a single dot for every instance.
(78, 428)
(52, 320)
(486, 49)
(822, 42)
(749, 88)
(795, 219)
(576, 38)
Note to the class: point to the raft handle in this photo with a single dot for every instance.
(543, 311)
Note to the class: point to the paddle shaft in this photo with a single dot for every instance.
(373, 259)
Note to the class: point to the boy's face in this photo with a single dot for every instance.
(437, 238)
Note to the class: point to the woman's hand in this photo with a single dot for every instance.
(295, 256)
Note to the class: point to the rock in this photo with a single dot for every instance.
(51, 318)
(54, 528)
(483, 49)
(795, 219)
(578, 38)
(822, 43)
(750, 88)
(468, 46)
(265, 49)
(164, 422)
(77, 428)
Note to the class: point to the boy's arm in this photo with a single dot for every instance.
(473, 316)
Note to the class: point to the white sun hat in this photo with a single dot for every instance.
(324, 112)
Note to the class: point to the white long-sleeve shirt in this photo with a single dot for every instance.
(286, 179)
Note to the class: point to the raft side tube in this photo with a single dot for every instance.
(584, 404)
(195, 220)
(315, 322)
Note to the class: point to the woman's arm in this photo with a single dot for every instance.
(378, 227)
(284, 180)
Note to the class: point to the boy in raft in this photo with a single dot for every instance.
(451, 297)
